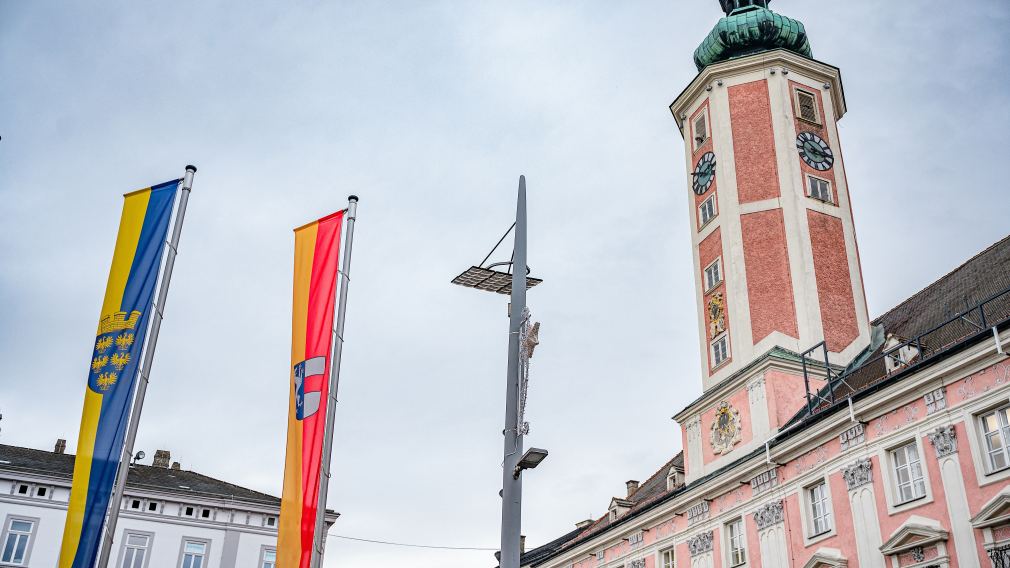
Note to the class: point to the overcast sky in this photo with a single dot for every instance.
(430, 111)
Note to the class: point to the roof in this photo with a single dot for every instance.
(140, 477)
(648, 494)
(982, 280)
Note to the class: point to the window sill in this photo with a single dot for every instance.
(1002, 471)
(810, 122)
(707, 223)
(824, 201)
(813, 539)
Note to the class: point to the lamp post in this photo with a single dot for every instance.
(515, 461)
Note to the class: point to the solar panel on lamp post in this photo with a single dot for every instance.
(515, 285)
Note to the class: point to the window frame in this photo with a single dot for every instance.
(195, 540)
(264, 550)
(667, 554)
(913, 483)
(717, 264)
(728, 530)
(711, 346)
(7, 531)
(799, 113)
(812, 502)
(892, 496)
(827, 183)
(700, 115)
(702, 222)
(1004, 429)
(124, 542)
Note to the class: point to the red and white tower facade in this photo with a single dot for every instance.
(775, 256)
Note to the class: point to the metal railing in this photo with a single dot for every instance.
(987, 315)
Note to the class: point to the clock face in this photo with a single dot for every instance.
(704, 173)
(815, 151)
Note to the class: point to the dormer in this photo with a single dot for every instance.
(674, 478)
(618, 507)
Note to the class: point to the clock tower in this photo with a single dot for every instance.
(776, 264)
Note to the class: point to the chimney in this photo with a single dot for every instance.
(162, 458)
(584, 524)
(175, 466)
(522, 544)
(632, 487)
(61, 446)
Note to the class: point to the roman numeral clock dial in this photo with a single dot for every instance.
(704, 173)
(815, 151)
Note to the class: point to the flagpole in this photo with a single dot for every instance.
(338, 348)
(145, 370)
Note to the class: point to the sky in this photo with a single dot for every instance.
(430, 111)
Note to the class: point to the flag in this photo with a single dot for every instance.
(316, 247)
(115, 361)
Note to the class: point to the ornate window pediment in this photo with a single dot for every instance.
(915, 533)
(827, 558)
(995, 512)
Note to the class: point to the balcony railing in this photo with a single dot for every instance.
(834, 384)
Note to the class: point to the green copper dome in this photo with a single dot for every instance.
(750, 28)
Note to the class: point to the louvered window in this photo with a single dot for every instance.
(807, 104)
(700, 131)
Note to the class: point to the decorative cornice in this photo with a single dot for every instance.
(768, 515)
(700, 543)
(944, 440)
(858, 474)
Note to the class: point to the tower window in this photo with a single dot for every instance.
(700, 130)
(707, 211)
(720, 350)
(819, 189)
(806, 105)
(713, 274)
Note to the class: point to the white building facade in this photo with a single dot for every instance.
(170, 518)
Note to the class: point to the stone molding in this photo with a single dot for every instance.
(700, 543)
(769, 514)
(944, 440)
(858, 474)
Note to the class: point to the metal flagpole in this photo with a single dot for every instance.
(145, 370)
(331, 406)
(512, 485)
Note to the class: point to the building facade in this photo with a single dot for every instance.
(821, 438)
(170, 517)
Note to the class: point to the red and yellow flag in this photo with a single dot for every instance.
(316, 247)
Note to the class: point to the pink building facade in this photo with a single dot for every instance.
(821, 437)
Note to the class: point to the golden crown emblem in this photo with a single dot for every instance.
(118, 321)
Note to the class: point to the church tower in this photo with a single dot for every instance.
(775, 258)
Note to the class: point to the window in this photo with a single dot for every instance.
(713, 274)
(22, 489)
(271, 521)
(908, 473)
(735, 543)
(205, 513)
(820, 509)
(16, 540)
(194, 554)
(268, 558)
(700, 130)
(135, 549)
(806, 104)
(819, 189)
(135, 504)
(706, 211)
(152, 506)
(666, 559)
(720, 350)
(41, 492)
(189, 512)
(995, 430)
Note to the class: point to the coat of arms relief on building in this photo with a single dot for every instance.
(716, 315)
(725, 428)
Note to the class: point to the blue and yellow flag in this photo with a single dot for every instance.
(115, 361)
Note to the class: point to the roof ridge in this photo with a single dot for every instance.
(941, 278)
(664, 467)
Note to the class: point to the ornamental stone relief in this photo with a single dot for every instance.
(944, 440)
(852, 437)
(935, 401)
(716, 315)
(700, 543)
(768, 515)
(698, 512)
(764, 481)
(725, 428)
(858, 474)
(640, 563)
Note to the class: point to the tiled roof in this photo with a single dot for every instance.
(648, 494)
(141, 477)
